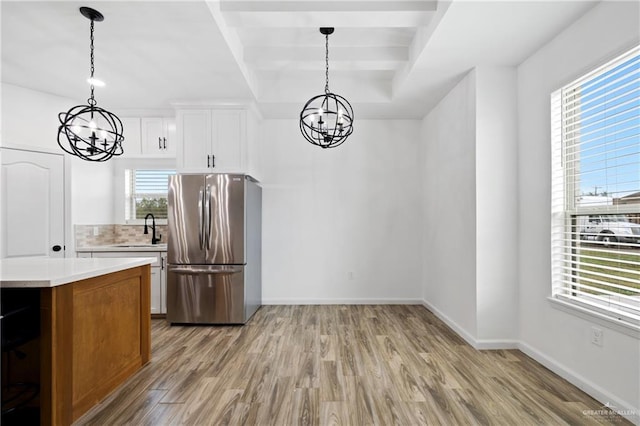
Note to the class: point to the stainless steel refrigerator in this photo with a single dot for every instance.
(213, 248)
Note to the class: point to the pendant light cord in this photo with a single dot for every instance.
(326, 86)
(91, 101)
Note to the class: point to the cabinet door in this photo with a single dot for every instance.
(193, 131)
(228, 138)
(163, 284)
(169, 127)
(153, 137)
(156, 290)
(132, 145)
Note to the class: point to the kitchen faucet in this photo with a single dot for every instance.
(154, 240)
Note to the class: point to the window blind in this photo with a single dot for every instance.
(595, 130)
(147, 193)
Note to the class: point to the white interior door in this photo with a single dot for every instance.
(32, 202)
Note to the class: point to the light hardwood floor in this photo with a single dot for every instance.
(339, 365)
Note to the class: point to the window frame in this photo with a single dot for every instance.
(130, 196)
(119, 194)
(565, 215)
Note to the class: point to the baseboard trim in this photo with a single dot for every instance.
(494, 344)
(622, 407)
(341, 301)
(452, 324)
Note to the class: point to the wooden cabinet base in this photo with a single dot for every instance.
(95, 334)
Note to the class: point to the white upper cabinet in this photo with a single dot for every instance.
(213, 140)
(158, 137)
(131, 129)
(194, 138)
(149, 137)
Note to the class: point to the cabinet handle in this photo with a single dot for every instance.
(213, 161)
(208, 161)
(164, 143)
(159, 143)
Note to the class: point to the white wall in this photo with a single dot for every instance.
(448, 165)
(30, 118)
(341, 225)
(556, 338)
(496, 204)
(470, 223)
(92, 187)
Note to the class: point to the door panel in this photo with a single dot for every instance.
(225, 227)
(185, 244)
(205, 294)
(32, 204)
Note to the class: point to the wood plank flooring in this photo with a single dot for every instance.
(338, 365)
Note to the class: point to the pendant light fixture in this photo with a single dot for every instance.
(88, 131)
(326, 120)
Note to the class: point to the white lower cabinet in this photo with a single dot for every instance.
(158, 274)
(163, 283)
(156, 290)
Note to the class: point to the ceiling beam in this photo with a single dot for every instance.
(235, 45)
(314, 53)
(377, 19)
(292, 87)
(327, 6)
(417, 47)
(294, 65)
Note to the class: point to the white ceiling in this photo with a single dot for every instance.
(391, 59)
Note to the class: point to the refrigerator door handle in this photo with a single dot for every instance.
(209, 270)
(207, 207)
(200, 217)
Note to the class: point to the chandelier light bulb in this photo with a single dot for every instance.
(95, 82)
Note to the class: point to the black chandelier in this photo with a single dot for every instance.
(88, 131)
(327, 120)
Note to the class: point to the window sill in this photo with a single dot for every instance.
(605, 320)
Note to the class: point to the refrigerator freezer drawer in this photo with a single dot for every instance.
(205, 294)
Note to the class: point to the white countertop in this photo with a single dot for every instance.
(124, 247)
(50, 272)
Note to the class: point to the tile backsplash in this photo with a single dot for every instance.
(102, 235)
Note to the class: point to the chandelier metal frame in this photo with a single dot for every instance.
(326, 120)
(88, 131)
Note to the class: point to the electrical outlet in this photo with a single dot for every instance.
(596, 336)
(350, 275)
(96, 231)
